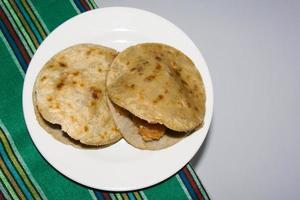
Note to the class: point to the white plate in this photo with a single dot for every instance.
(119, 167)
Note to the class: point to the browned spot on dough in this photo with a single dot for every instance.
(132, 86)
(149, 78)
(81, 84)
(196, 108)
(76, 73)
(74, 82)
(93, 103)
(158, 98)
(51, 66)
(99, 70)
(95, 92)
(85, 128)
(158, 66)
(177, 72)
(88, 52)
(166, 91)
(43, 78)
(57, 106)
(158, 58)
(179, 69)
(173, 64)
(114, 129)
(49, 99)
(60, 84)
(127, 63)
(184, 82)
(62, 64)
(138, 69)
(133, 69)
(188, 104)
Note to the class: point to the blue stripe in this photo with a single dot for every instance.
(131, 196)
(99, 195)
(187, 184)
(32, 26)
(79, 6)
(14, 172)
(13, 45)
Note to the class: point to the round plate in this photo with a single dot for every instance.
(119, 167)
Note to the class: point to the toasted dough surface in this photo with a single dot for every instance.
(159, 84)
(70, 91)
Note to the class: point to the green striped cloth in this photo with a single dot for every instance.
(24, 174)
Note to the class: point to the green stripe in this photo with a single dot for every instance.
(4, 191)
(38, 17)
(14, 149)
(143, 195)
(20, 35)
(63, 11)
(92, 194)
(112, 196)
(19, 24)
(11, 179)
(25, 24)
(183, 187)
(118, 195)
(94, 4)
(18, 167)
(8, 186)
(33, 18)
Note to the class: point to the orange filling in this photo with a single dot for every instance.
(152, 131)
(149, 131)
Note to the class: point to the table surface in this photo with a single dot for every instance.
(252, 49)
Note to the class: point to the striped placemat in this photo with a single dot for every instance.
(24, 174)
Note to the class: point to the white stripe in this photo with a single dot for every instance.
(183, 187)
(74, 6)
(92, 194)
(39, 17)
(4, 192)
(36, 185)
(197, 181)
(17, 30)
(12, 55)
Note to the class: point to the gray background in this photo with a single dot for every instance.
(252, 49)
